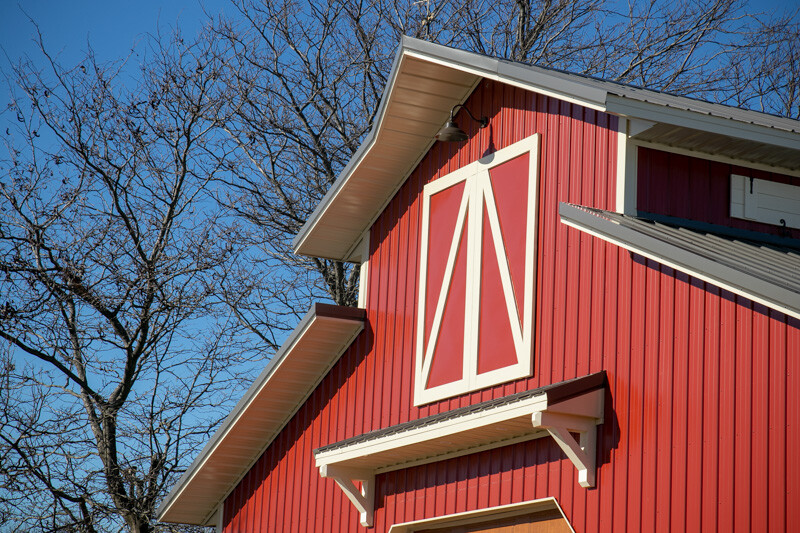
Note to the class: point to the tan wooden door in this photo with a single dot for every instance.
(541, 522)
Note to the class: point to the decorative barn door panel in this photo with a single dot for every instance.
(478, 256)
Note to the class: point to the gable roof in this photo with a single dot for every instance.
(766, 273)
(427, 80)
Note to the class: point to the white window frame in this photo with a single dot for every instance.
(478, 192)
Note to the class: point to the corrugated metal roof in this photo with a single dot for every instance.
(765, 272)
(291, 375)
(428, 79)
(674, 101)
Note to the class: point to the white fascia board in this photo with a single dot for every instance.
(362, 150)
(549, 85)
(517, 74)
(449, 57)
(434, 431)
(238, 413)
(586, 407)
(629, 107)
(232, 419)
(722, 276)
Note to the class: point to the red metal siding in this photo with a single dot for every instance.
(704, 393)
(698, 189)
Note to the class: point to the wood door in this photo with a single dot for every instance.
(541, 522)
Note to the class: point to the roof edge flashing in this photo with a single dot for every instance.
(663, 249)
(504, 70)
(369, 140)
(784, 134)
(317, 312)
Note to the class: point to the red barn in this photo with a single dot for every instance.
(584, 317)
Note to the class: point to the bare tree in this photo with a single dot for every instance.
(766, 76)
(112, 253)
(306, 79)
(304, 85)
(145, 220)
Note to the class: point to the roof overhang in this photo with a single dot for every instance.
(765, 274)
(287, 381)
(427, 80)
(558, 410)
(703, 132)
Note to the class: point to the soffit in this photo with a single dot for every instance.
(723, 145)
(427, 80)
(417, 102)
(287, 381)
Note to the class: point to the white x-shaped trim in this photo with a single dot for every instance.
(478, 198)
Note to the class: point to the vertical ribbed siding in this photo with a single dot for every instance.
(698, 189)
(703, 385)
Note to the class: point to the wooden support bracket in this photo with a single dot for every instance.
(582, 454)
(354, 465)
(363, 499)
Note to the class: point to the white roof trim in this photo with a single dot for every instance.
(679, 258)
(559, 410)
(434, 442)
(325, 233)
(724, 125)
(516, 74)
(284, 385)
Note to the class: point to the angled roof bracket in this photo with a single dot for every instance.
(557, 410)
(364, 498)
(582, 453)
(580, 415)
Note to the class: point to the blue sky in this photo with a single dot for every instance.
(113, 26)
(110, 26)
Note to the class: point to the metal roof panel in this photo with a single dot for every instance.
(764, 272)
(428, 79)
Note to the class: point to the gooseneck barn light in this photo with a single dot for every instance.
(452, 133)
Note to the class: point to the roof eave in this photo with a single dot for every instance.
(331, 328)
(310, 242)
(330, 235)
(665, 114)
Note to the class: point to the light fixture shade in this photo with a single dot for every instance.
(451, 132)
